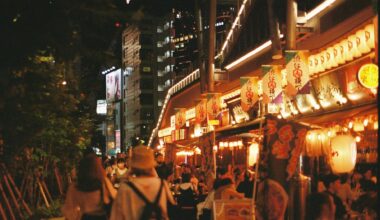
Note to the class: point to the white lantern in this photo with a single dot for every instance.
(322, 61)
(328, 58)
(332, 59)
(370, 35)
(355, 43)
(253, 154)
(347, 48)
(343, 149)
(317, 67)
(362, 46)
(311, 65)
(339, 53)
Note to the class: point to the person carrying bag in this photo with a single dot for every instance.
(145, 196)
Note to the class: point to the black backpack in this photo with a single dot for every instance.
(151, 210)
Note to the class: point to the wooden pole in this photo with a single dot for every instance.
(211, 47)
(59, 180)
(2, 212)
(46, 190)
(43, 194)
(17, 191)
(261, 135)
(11, 214)
(13, 197)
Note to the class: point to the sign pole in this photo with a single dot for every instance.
(261, 138)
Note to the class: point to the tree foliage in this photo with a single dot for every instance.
(42, 44)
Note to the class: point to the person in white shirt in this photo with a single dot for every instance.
(144, 186)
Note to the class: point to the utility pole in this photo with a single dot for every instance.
(274, 32)
(291, 16)
(211, 47)
(201, 53)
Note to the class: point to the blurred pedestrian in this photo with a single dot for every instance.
(344, 192)
(88, 197)
(224, 186)
(163, 170)
(332, 184)
(320, 206)
(145, 195)
(121, 171)
(246, 186)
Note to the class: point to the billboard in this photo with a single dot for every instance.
(101, 107)
(113, 85)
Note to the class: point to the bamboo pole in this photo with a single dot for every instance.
(59, 180)
(43, 194)
(46, 190)
(17, 191)
(253, 203)
(34, 186)
(11, 193)
(2, 212)
(7, 203)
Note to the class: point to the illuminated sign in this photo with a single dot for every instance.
(190, 114)
(165, 132)
(113, 85)
(368, 76)
(101, 107)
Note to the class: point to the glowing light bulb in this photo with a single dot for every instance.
(319, 137)
(365, 123)
(358, 139)
(345, 129)
(310, 136)
(350, 124)
(215, 148)
(329, 133)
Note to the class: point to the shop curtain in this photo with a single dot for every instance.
(283, 143)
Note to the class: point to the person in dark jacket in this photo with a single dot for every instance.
(246, 186)
(162, 169)
(332, 184)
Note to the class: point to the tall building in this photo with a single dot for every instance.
(147, 63)
(185, 37)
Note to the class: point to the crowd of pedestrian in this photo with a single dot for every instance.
(352, 194)
(145, 187)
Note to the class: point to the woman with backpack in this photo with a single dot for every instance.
(145, 196)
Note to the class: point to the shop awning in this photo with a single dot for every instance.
(238, 128)
(340, 115)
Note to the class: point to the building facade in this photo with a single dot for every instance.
(147, 66)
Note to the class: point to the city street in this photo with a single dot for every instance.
(189, 110)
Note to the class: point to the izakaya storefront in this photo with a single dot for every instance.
(338, 97)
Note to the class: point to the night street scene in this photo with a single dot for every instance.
(189, 110)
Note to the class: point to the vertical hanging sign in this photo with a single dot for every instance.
(249, 92)
(297, 71)
(180, 117)
(213, 107)
(200, 111)
(271, 84)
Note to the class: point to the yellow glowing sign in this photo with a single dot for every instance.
(368, 76)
